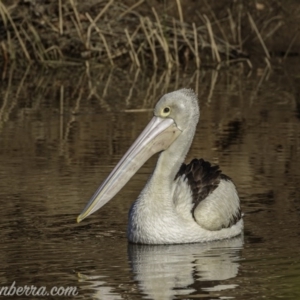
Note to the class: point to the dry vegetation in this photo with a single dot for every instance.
(142, 33)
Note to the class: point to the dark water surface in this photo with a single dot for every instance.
(62, 132)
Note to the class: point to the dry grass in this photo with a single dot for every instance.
(253, 25)
(116, 34)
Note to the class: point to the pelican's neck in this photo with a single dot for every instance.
(168, 164)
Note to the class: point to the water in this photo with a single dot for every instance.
(62, 132)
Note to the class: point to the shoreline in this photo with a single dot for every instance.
(146, 34)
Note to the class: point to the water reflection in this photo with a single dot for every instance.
(98, 288)
(167, 271)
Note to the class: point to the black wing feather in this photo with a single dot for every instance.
(203, 179)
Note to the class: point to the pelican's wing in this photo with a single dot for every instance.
(206, 182)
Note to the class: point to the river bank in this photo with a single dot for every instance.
(158, 34)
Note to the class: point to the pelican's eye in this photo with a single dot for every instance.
(166, 111)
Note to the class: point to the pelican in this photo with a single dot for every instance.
(180, 203)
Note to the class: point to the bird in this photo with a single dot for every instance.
(180, 203)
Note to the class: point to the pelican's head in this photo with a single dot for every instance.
(181, 106)
(175, 114)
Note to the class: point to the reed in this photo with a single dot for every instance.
(291, 45)
(134, 55)
(175, 42)
(60, 18)
(76, 20)
(116, 34)
(94, 25)
(162, 40)
(134, 6)
(214, 48)
(196, 47)
(103, 11)
(179, 11)
(149, 37)
(6, 15)
(254, 27)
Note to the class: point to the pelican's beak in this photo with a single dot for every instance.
(159, 134)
